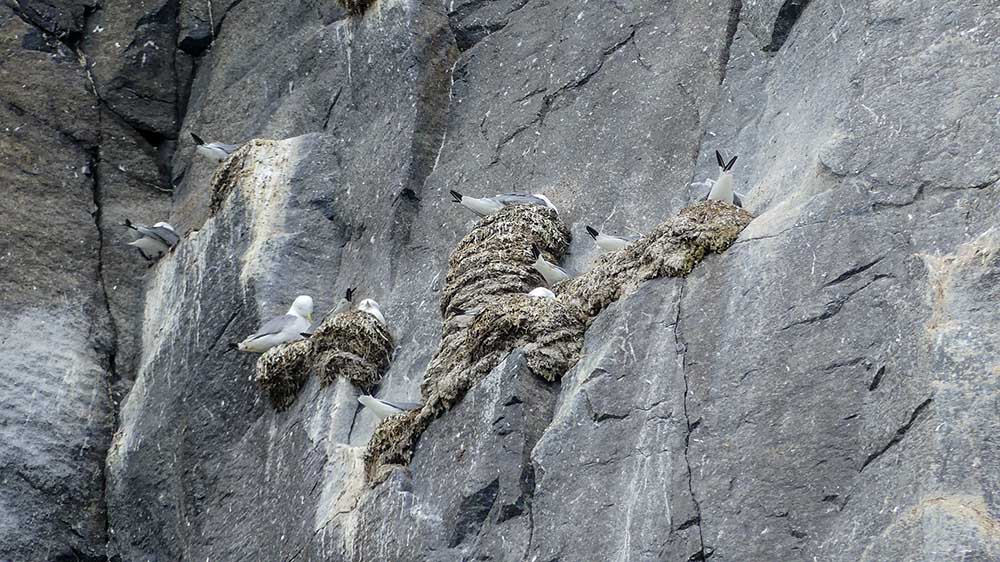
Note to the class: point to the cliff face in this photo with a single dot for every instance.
(826, 389)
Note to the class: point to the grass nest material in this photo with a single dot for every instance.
(352, 344)
(495, 258)
(670, 250)
(356, 7)
(282, 371)
(490, 268)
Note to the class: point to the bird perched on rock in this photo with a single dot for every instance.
(550, 271)
(369, 306)
(541, 293)
(155, 240)
(215, 151)
(489, 205)
(386, 408)
(722, 188)
(608, 242)
(281, 329)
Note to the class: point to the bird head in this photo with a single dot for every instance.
(542, 292)
(547, 202)
(302, 307)
(369, 306)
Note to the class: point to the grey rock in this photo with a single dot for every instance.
(55, 345)
(62, 18)
(824, 390)
(130, 53)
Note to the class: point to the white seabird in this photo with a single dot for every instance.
(608, 242)
(488, 205)
(722, 188)
(215, 151)
(542, 293)
(550, 271)
(386, 408)
(155, 240)
(371, 307)
(281, 329)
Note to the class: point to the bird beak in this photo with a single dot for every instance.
(310, 317)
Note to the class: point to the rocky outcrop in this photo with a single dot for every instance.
(825, 389)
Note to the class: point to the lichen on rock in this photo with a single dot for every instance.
(281, 371)
(353, 345)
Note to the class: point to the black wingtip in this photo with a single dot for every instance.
(349, 295)
(455, 196)
(305, 334)
(729, 166)
(718, 157)
(128, 224)
(535, 252)
(592, 232)
(197, 139)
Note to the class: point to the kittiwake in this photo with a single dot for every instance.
(542, 293)
(489, 205)
(722, 188)
(154, 240)
(281, 329)
(215, 151)
(385, 408)
(550, 271)
(608, 242)
(345, 303)
(371, 307)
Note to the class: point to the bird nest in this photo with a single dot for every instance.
(356, 7)
(670, 250)
(491, 269)
(353, 345)
(495, 258)
(282, 371)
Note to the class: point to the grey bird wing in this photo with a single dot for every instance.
(157, 233)
(227, 148)
(275, 325)
(401, 405)
(518, 199)
(169, 237)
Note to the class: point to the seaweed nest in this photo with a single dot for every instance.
(353, 345)
(491, 269)
(670, 250)
(282, 371)
(495, 258)
(356, 7)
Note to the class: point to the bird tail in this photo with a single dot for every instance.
(197, 139)
(456, 196)
(592, 232)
